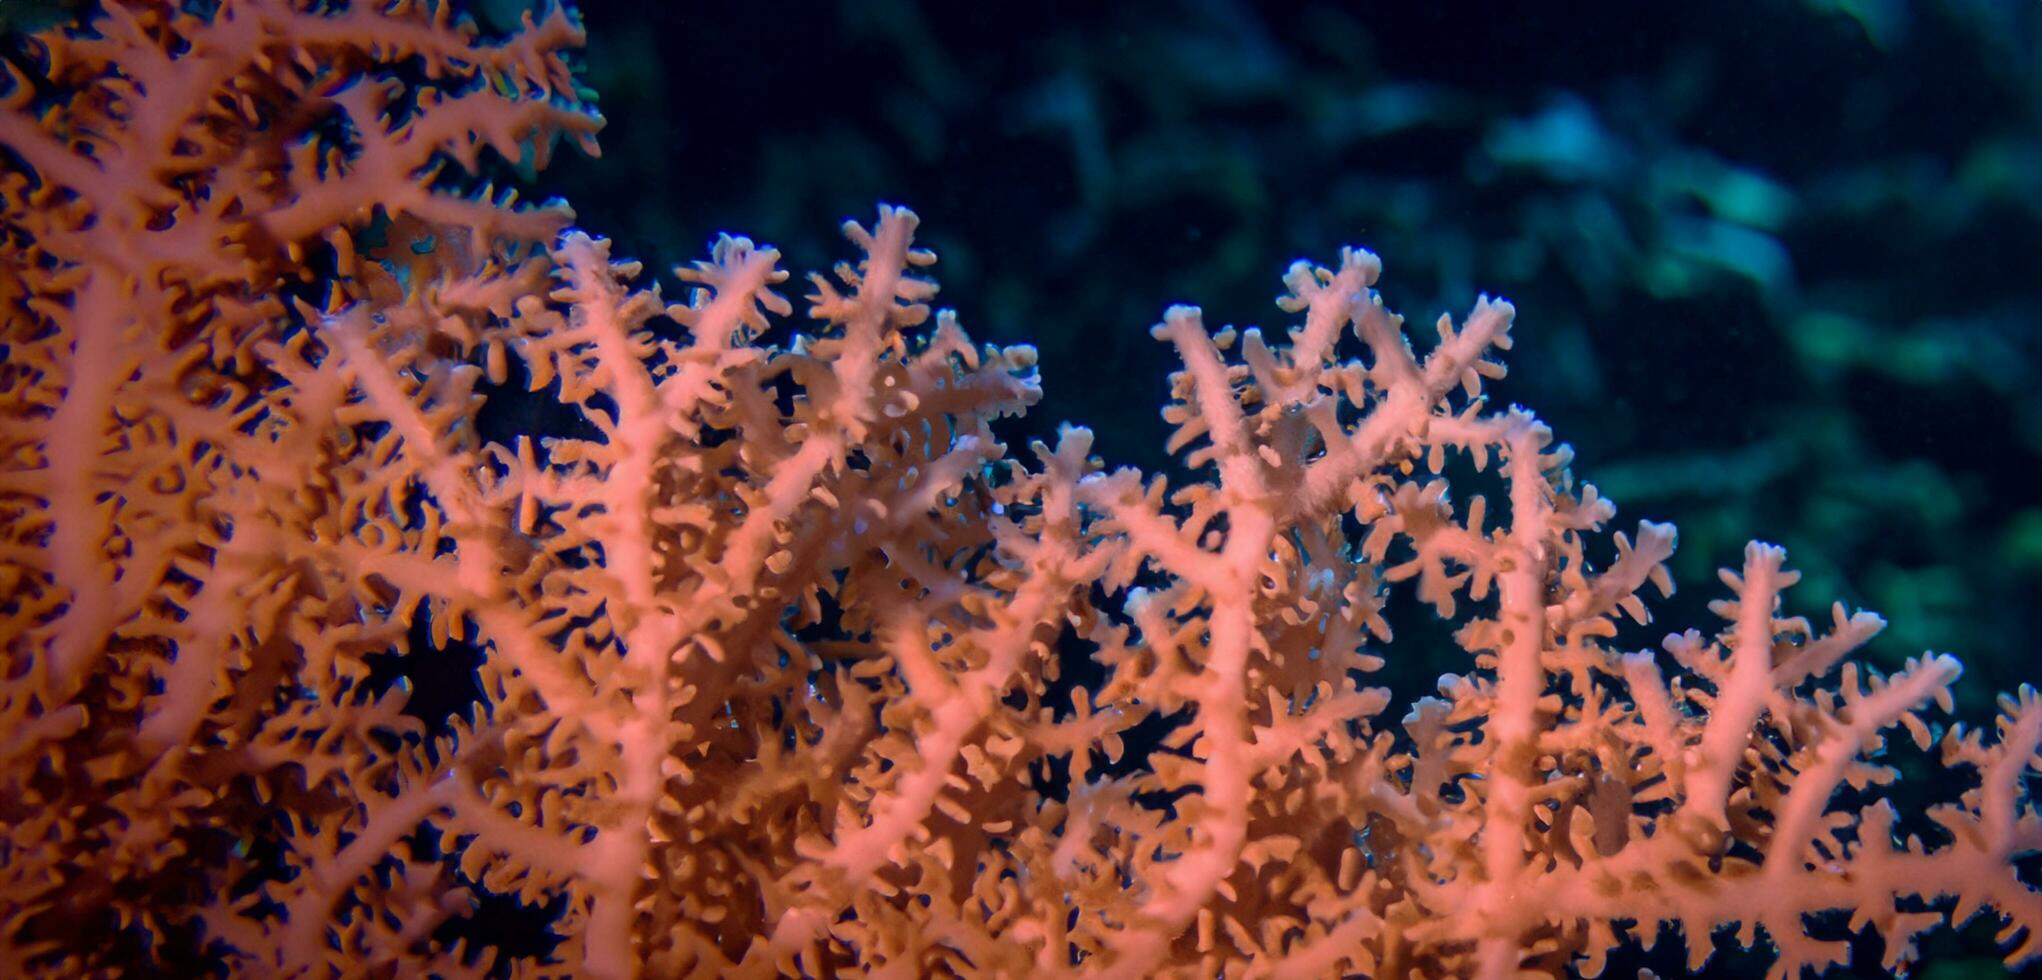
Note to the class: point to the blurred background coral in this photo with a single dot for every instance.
(1778, 265)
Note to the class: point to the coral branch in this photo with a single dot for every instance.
(741, 650)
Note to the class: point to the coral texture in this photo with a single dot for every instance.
(769, 659)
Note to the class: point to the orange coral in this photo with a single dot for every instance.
(770, 641)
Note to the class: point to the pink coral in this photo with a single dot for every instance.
(772, 637)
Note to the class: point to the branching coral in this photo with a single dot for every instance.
(781, 664)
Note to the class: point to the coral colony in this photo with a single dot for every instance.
(761, 643)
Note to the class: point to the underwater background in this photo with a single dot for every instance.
(1778, 266)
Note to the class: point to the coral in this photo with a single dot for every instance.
(767, 658)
